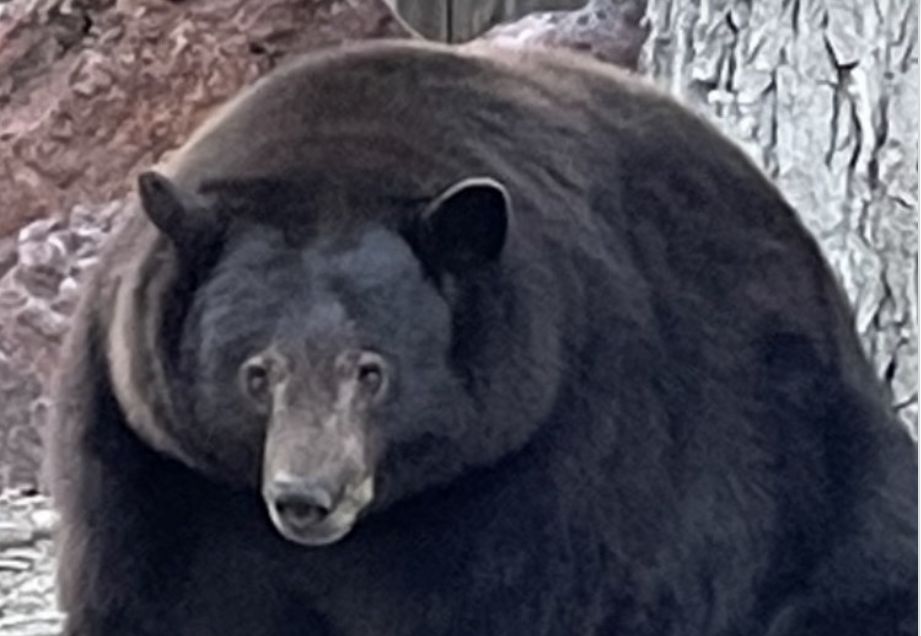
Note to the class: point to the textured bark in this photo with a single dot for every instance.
(824, 95)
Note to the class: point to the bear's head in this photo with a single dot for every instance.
(341, 371)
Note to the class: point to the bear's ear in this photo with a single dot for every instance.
(466, 226)
(187, 220)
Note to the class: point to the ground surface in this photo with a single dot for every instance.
(26, 566)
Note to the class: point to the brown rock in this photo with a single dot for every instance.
(93, 90)
(8, 256)
(37, 296)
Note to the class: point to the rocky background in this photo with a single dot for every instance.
(822, 94)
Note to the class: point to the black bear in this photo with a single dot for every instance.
(423, 340)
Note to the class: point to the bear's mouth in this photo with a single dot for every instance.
(315, 524)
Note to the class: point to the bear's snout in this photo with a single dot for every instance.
(300, 504)
(314, 513)
(317, 473)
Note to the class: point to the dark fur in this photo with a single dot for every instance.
(678, 432)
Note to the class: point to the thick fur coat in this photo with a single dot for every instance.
(659, 421)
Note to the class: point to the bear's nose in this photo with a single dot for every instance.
(300, 505)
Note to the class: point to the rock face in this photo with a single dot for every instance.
(92, 90)
(38, 292)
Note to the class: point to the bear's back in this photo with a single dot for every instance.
(558, 127)
(599, 166)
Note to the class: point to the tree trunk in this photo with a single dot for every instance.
(823, 94)
(462, 20)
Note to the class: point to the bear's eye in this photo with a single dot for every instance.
(372, 374)
(254, 378)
